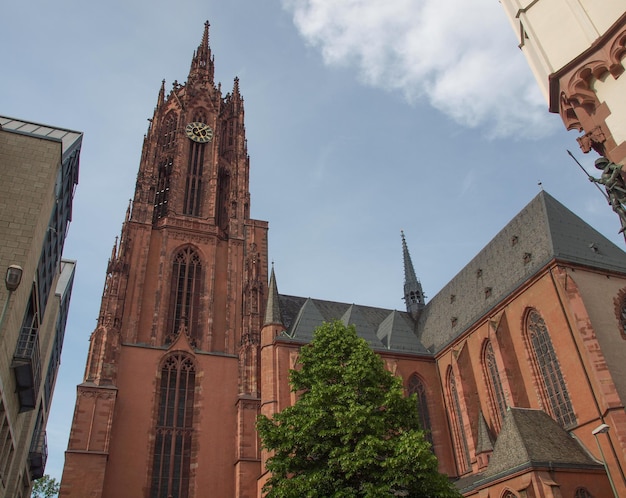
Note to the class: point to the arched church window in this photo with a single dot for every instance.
(458, 434)
(171, 463)
(167, 137)
(548, 370)
(622, 317)
(582, 493)
(509, 494)
(195, 166)
(185, 291)
(163, 188)
(223, 193)
(494, 383)
(416, 386)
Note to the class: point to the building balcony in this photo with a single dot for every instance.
(38, 455)
(26, 367)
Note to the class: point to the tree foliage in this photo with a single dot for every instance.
(352, 432)
(45, 487)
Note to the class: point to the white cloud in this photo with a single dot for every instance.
(460, 55)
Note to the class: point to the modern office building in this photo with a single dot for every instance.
(39, 170)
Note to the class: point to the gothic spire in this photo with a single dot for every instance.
(202, 62)
(161, 97)
(272, 309)
(413, 294)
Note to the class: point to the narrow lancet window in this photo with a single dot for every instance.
(171, 463)
(186, 288)
(416, 386)
(555, 395)
(460, 443)
(223, 192)
(163, 189)
(494, 384)
(193, 182)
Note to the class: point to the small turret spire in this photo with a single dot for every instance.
(273, 315)
(161, 97)
(413, 294)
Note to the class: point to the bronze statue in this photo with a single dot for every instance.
(614, 185)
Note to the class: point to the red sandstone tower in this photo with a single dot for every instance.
(171, 389)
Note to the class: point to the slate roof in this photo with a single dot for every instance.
(383, 329)
(529, 439)
(542, 231)
(532, 437)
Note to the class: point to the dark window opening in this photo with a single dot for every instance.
(558, 399)
(416, 386)
(185, 293)
(171, 462)
(496, 393)
(193, 183)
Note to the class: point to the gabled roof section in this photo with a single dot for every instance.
(485, 438)
(576, 241)
(543, 231)
(302, 315)
(354, 316)
(308, 319)
(532, 437)
(397, 332)
(70, 140)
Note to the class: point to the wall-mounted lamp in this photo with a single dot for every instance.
(603, 429)
(13, 277)
(12, 281)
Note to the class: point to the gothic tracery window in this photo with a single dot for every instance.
(548, 371)
(193, 182)
(168, 132)
(223, 192)
(416, 386)
(582, 493)
(460, 443)
(163, 188)
(185, 291)
(494, 383)
(622, 318)
(171, 463)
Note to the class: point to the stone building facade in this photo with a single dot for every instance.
(576, 51)
(39, 170)
(514, 362)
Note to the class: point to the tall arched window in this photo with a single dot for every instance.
(416, 386)
(185, 291)
(582, 493)
(171, 462)
(161, 194)
(548, 371)
(461, 449)
(494, 383)
(223, 193)
(193, 183)
(167, 138)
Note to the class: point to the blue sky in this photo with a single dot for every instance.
(362, 117)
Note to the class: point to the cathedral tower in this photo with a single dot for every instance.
(171, 387)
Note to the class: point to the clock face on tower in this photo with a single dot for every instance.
(199, 132)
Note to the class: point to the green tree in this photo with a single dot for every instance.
(352, 432)
(45, 487)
